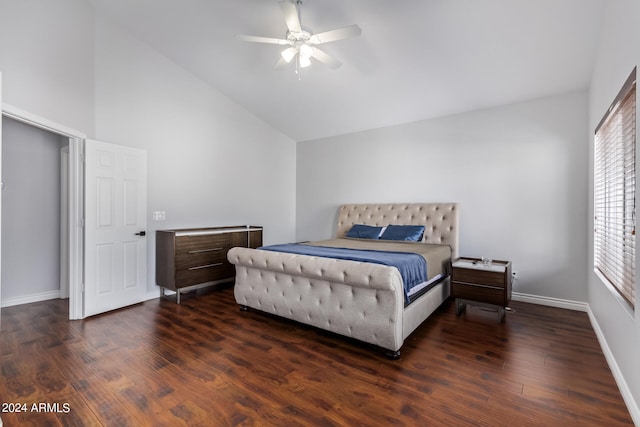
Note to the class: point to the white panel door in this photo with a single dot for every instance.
(115, 226)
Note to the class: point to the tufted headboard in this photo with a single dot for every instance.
(440, 219)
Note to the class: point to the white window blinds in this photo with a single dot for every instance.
(615, 192)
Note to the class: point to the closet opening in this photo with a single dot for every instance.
(34, 217)
(41, 222)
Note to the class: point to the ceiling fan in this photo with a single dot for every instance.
(302, 43)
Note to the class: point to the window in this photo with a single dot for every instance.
(615, 192)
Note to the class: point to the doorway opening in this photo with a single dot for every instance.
(34, 260)
(67, 216)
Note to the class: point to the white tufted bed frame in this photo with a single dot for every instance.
(360, 300)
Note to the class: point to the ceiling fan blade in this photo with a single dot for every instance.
(290, 13)
(325, 58)
(337, 34)
(257, 39)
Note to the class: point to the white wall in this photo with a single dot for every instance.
(517, 171)
(211, 163)
(618, 53)
(46, 59)
(30, 211)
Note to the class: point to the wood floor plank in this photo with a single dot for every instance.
(205, 362)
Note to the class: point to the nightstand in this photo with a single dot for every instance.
(475, 283)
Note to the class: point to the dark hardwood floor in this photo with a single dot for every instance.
(206, 363)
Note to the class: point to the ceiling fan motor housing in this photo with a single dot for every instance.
(299, 37)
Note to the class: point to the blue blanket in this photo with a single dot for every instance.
(412, 267)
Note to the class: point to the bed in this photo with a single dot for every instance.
(364, 300)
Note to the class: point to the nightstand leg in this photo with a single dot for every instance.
(500, 314)
(460, 306)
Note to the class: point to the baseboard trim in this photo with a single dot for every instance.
(44, 296)
(627, 396)
(27, 299)
(552, 302)
(155, 294)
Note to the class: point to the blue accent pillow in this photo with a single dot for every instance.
(409, 233)
(361, 231)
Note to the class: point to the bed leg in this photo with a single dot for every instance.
(392, 355)
(244, 308)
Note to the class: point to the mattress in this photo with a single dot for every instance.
(438, 257)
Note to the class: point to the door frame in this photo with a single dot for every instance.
(75, 200)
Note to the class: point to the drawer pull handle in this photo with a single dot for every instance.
(205, 266)
(478, 285)
(199, 251)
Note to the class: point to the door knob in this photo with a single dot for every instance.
(141, 233)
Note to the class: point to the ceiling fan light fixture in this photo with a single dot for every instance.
(289, 53)
(306, 50)
(305, 61)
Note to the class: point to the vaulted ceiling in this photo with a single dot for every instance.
(415, 59)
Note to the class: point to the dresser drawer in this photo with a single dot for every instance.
(197, 257)
(204, 273)
(481, 293)
(202, 241)
(490, 278)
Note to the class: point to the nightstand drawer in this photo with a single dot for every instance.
(481, 293)
(491, 278)
(483, 284)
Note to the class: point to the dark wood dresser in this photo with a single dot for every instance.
(476, 283)
(192, 258)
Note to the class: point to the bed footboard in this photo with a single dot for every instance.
(364, 302)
